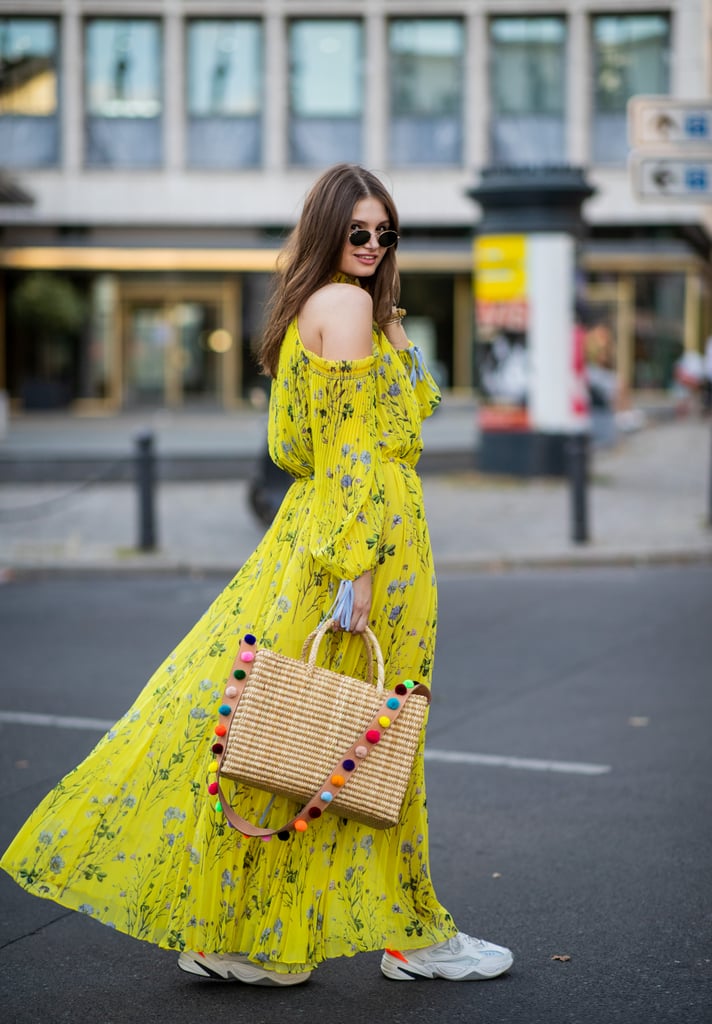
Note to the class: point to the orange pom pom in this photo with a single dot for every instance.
(337, 780)
(300, 825)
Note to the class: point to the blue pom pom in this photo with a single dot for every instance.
(224, 709)
(250, 638)
(393, 703)
(348, 765)
(326, 796)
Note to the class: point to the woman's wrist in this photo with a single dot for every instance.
(396, 335)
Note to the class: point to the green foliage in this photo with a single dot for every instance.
(47, 305)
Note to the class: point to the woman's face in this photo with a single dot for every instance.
(362, 260)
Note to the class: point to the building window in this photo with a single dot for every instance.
(326, 91)
(425, 64)
(631, 55)
(29, 122)
(123, 123)
(527, 87)
(224, 93)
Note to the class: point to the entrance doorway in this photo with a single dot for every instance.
(180, 346)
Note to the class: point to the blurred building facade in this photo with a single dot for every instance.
(154, 155)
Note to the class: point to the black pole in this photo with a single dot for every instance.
(145, 465)
(577, 450)
(709, 484)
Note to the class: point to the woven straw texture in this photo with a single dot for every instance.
(294, 723)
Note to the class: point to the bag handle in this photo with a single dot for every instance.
(310, 650)
(348, 763)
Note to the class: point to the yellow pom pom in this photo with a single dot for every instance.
(384, 722)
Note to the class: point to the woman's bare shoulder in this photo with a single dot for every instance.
(335, 322)
(338, 297)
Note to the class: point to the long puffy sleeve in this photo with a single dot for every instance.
(348, 471)
(427, 392)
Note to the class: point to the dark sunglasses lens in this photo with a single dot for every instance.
(386, 238)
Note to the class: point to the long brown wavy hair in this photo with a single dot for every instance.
(312, 254)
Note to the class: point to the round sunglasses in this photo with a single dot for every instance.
(385, 238)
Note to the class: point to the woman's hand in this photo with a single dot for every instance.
(362, 603)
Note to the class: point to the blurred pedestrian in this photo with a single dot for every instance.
(689, 376)
(131, 837)
(707, 378)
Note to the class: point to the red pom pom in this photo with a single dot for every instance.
(213, 788)
(373, 735)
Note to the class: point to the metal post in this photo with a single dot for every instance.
(577, 450)
(145, 464)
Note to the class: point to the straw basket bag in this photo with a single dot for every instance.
(329, 741)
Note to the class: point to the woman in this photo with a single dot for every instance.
(131, 836)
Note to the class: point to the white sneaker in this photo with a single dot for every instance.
(232, 967)
(461, 958)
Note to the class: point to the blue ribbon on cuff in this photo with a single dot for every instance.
(417, 365)
(343, 606)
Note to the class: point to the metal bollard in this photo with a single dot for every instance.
(577, 452)
(145, 465)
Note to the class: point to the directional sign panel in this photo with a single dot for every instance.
(662, 177)
(659, 121)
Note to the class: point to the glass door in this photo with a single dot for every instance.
(177, 350)
(149, 352)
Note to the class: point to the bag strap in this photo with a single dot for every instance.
(385, 715)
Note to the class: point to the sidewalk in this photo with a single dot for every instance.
(647, 502)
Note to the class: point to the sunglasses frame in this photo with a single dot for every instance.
(359, 236)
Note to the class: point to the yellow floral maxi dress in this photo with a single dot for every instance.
(131, 836)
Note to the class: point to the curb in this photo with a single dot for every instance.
(446, 567)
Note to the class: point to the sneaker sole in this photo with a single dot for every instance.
(247, 973)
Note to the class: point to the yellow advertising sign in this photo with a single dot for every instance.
(500, 263)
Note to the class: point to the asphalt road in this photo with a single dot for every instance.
(572, 820)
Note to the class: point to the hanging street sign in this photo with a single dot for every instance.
(663, 121)
(663, 177)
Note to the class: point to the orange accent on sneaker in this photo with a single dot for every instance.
(397, 954)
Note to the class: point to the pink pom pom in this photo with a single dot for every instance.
(247, 656)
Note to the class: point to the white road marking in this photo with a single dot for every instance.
(443, 756)
(528, 764)
(55, 721)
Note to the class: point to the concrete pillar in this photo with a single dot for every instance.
(276, 101)
(174, 92)
(71, 111)
(578, 88)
